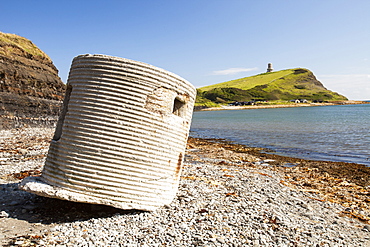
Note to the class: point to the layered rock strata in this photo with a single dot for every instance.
(29, 81)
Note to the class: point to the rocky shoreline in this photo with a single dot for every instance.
(229, 195)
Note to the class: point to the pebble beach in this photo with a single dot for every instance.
(225, 198)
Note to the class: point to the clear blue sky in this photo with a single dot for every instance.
(207, 41)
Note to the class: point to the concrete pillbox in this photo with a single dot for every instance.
(121, 137)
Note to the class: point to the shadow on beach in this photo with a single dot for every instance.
(32, 208)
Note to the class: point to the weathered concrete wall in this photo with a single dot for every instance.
(121, 137)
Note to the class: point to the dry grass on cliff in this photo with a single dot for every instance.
(12, 41)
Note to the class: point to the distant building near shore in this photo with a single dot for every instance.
(269, 67)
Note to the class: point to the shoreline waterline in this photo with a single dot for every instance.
(331, 133)
(352, 170)
(265, 106)
(345, 183)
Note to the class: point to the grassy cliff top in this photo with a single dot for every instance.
(288, 84)
(257, 80)
(25, 45)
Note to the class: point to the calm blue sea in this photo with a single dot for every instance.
(332, 133)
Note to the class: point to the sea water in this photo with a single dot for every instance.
(331, 133)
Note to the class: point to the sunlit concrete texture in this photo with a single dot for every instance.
(121, 136)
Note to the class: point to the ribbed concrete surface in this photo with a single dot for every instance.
(121, 138)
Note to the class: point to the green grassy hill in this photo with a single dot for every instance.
(287, 85)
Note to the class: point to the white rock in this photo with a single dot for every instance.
(4, 214)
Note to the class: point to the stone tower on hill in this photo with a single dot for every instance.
(269, 67)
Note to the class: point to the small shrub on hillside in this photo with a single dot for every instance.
(300, 86)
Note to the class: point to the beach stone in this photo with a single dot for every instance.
(13, 203)
(23, 151)
(3, 214)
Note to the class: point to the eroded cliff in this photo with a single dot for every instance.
(29, 81)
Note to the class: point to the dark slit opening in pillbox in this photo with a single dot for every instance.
(179, 108)
(59, 128)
